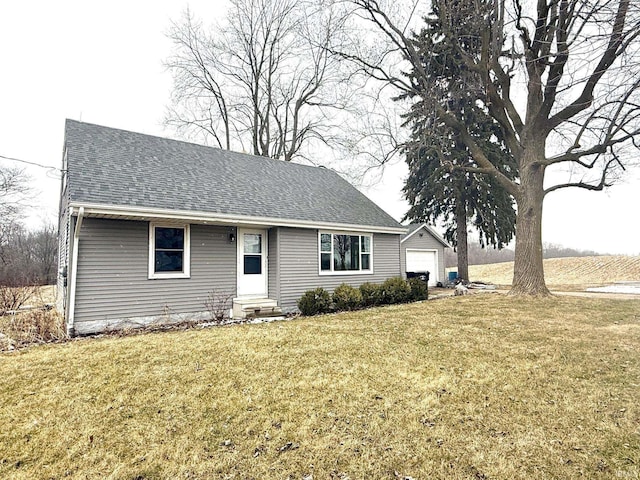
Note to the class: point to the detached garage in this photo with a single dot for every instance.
(422, 250)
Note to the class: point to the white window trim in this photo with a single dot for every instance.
(344, 272)
(186, 260)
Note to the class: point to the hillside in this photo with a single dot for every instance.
(598, 270)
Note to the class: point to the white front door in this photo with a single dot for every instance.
(252, 263)
(423, 261)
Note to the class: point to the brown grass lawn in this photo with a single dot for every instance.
(479, 387)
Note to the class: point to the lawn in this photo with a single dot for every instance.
(483, 386)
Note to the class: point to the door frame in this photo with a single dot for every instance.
(240, 261)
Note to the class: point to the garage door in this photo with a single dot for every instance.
(423, 261)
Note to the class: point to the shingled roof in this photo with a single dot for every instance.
(112, 167)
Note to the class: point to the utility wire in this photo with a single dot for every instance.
(48, 167)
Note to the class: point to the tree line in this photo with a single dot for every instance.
(481, 256)
(27, 257)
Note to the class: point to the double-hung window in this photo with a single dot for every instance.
(169, 251)
(344, 253)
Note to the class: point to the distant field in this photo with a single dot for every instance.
(583, 271)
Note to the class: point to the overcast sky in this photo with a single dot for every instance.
(101, 62)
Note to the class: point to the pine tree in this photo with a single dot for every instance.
(437, 189)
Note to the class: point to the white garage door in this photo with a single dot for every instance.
(423, 261)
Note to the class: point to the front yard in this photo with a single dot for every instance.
(480, 387)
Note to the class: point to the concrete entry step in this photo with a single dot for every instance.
(255, 308)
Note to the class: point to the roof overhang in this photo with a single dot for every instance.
(127, 212)
(431, 231)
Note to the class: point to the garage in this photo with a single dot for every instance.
(423, 261)
(422, 250)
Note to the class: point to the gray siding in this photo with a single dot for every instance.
(63, 259)
(112, 276)
(273, 280)
(426, 242)
(298, 262)
(65, 222)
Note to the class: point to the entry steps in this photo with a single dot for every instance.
(256, 308)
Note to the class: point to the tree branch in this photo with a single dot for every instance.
(476, 152)
(611, 53)
(601, 185)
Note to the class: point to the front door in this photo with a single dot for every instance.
(252, 263)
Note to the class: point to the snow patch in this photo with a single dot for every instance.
(620, 287)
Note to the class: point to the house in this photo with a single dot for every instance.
(422, 249)
(149, 227)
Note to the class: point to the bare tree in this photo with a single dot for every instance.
(28, 257)
(561, 79)
(263, 81)
(14, 188)
(43, 252)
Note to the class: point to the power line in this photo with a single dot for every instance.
(48, 167)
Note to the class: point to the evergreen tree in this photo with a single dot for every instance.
(437, 189)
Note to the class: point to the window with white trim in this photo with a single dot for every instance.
(169, 251)
(344, 253)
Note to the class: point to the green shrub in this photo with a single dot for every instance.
(314, 302)
(396, 290)
(371, 294)
(419, 289)
(346, 297)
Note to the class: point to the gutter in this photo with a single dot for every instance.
(146, 213)
(74, 269)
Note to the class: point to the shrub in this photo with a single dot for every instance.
(346, 297)
(396, 290)
(33, 326)
(218, 305)
(12, 297)
(419, 290)
(314, 302)
(372, 294)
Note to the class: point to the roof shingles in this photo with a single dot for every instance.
(117, 167)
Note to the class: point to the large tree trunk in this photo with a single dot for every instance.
(462, 250)
(528, 271)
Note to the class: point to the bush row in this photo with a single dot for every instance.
(346, 297)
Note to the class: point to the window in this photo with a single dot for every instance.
(169, 249)
(345, 253)
(252, 253)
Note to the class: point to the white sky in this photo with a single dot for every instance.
(101, 62)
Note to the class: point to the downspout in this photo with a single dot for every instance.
(73, 272)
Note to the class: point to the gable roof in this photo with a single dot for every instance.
(413, 228)
(117, 168)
